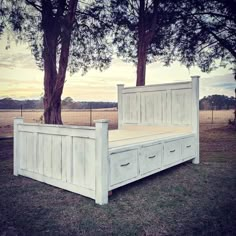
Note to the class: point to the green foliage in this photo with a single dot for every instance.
(193, 32)
(90, 44)
(205, 34)
(126, 20)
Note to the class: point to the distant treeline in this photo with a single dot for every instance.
(217, 102)
(67, 103)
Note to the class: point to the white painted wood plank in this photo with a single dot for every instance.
(40, 156)
(59, 130)
(60, 184)
(29, 151)
(17, 146)
(168, 107)
(195, 115)
(120, 87)
(23, 148)
(68, 158)
(64, 158)
(35, 152)
(157, 87)
(90, 163)
(157, 108)
(164, 107)
(101, 165)
(56, 157)
(78, 161)
(47, 155)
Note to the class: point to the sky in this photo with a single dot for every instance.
(21, 79)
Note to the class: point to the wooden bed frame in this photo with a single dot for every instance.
(158, 127)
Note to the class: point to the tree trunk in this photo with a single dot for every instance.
(142, 49)
(145, 36)
(52, 98)
(54, 79)
(141, 67)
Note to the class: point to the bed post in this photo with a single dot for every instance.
(101, 162)
(16, 161)
(195, 114)
(120, 87)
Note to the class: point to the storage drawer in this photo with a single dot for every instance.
(150, 158)
(188, 147)
(172, 152)
(123, 166)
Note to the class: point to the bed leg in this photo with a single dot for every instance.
(195, 115)
(101, 162)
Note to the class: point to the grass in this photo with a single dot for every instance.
(184, 200)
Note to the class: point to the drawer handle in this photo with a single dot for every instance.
(125, 164)
(172, 150)
(188, 146)
(151, 157)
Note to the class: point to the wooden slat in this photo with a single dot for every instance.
(157, 87)
(68, 154)
(88, 132)
(47, 155)
(29, 151)
(56, 157)
(78, 161)
(40, 155)
(22, 152)
(90, 164)
(60, 184)
(35, 152)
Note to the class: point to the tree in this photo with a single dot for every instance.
(61, 34)
(194, 32)
(142, 31)
(205, 34)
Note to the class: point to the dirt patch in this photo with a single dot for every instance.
(184, 200)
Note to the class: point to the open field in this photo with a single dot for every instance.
(86, 117)
(70, 117)
(219, 116)
(185, 200)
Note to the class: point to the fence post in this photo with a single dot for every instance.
(21, 111)
(195, 114)
(101, 162)
(90, 114)
(212, 109)
(16, 163)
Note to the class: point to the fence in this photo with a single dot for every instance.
(216, 116)
(86, 117)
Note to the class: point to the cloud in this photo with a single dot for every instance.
(221, 84)
(20, 77)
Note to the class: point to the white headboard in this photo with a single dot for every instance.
(161, 104)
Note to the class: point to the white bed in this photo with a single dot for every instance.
(158, 127)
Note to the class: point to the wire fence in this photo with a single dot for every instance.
(86, 117)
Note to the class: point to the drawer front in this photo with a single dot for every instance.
(150, 158)
(188, 147)
(123, 166)
(172, 152)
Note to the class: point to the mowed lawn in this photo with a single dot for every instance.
(184, 200)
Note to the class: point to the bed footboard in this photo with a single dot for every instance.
(68, 157)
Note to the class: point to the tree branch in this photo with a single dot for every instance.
(33, 4)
